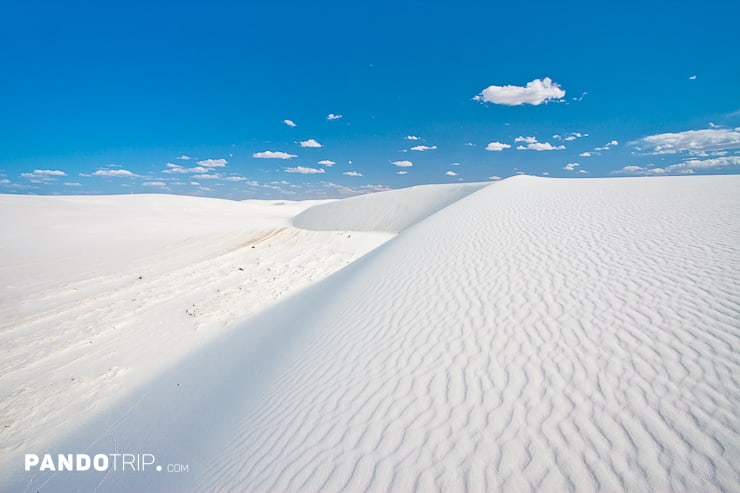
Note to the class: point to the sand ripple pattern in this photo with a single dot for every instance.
(538, 335)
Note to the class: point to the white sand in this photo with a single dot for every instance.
(536, 335)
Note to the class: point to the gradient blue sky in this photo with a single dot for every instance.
(110, 97)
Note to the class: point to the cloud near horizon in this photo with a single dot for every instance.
(709, 139)
(534, 93)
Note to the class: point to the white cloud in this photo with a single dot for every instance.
(118, 173)
(411, 137)
(423, 148)
(326, 162)
(289, 123)
(332, 116)
(213, 163)
(528, 140)
(402, 172)
(709, 139)
(535, 92)
(469, 144)
(72, 184)
(497, 146)
(184, 157)
(693, 77)
(310, 143)
(174, 168)
(352, 173)
(4, 181)
(451, 173)
(686, 167)
(154, 184)
(304, 170)
(541, 146)
(195, 183)
(236, 178)
(607, 146)
(208, 177)
(43, 175)
(571, 166)
(402, 164)
(583, 171)
(454, 164)
(273, 155)
(585, 154)
(494, 178)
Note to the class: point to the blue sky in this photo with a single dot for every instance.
(112, 97)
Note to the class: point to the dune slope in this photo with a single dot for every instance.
(536, 335)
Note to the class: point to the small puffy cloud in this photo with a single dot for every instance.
(154, 184)
(585, 154)
(541, 146)
(569, 137)
(4, 181)
(583, 171)
(352, 173)
(326, 162)
(236, 178)
(332, 116)
(497, 146)
(693, 77)
(273, 155)
(423, 148)
(469, 144)
(116, 173)
(304, 170)
(411, 137)
(640, 170)
(450, 173)
(195, 183)
(213, 163)
(571, 166)
(709, 139)
(402, 164)
(289, 123)
(43, 175)
(184, 157)
(607, 146)
(528, 140)
(208, 177)
(402, 172)
(310, 143)
(534, 93)
(494, 178)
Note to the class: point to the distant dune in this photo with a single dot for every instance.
(530, 335)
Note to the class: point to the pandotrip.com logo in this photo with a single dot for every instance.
(134, 463)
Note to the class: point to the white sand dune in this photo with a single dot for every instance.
(535, 335)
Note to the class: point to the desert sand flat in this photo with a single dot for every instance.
(533, 335)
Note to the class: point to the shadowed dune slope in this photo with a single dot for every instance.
(391, 211)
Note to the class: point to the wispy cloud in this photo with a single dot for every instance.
(352, 173)
(686, 167)
(326, 162)
(176, 168)
(423, 148)
(528, 140)
(273, 155)
(310, 143)
(116, 173)
(304, 170)
(411, 137)
(402, 172)
(402, 164)
(497, 146)
(332, 116)
(571, 166)
(184, 157)
(213, 163)
(159, 184)
(534, 93)
(494, 178)
(691, 140)
(607, 146)
(541, 146)
(585, 154)
(46, 172)
(289, 123)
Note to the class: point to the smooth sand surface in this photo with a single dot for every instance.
(535, 335)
